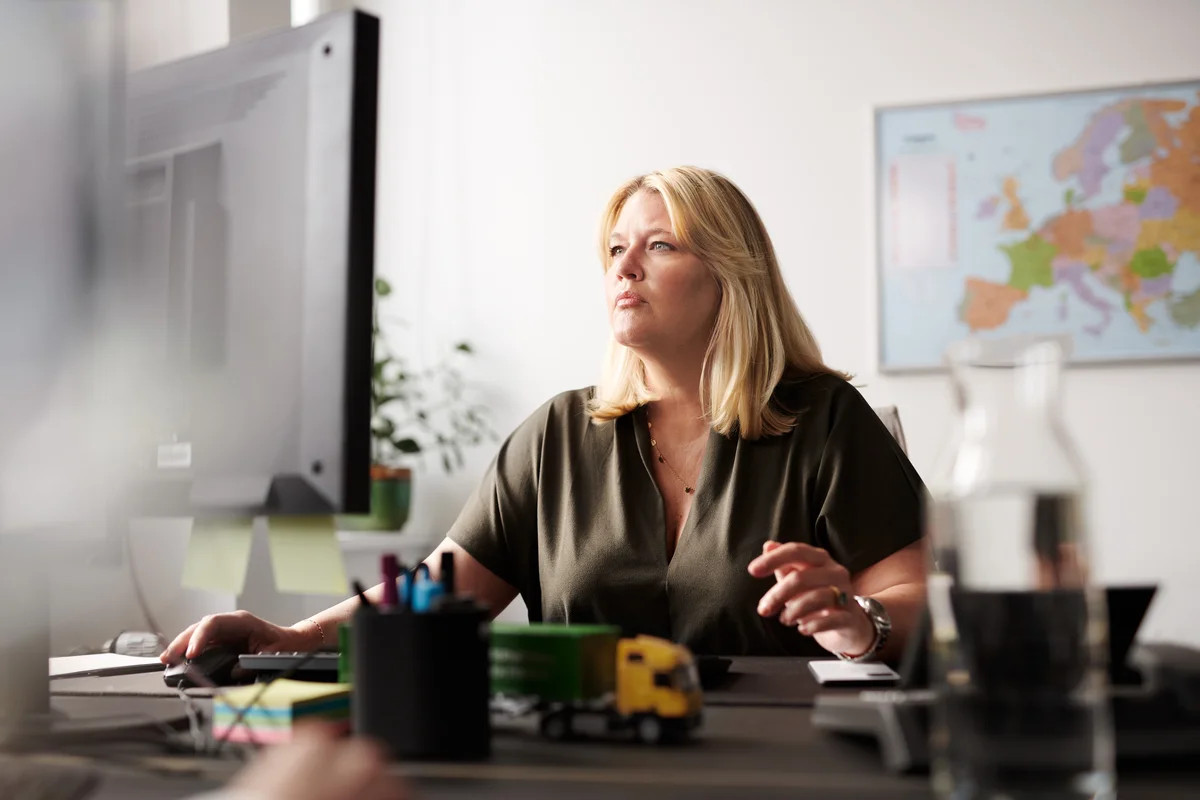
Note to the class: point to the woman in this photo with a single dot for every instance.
(721, 486)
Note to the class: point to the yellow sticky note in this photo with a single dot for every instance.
(218, 554)
(305, 555)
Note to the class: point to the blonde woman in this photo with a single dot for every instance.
(721, 487)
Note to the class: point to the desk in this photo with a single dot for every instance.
(742, 751)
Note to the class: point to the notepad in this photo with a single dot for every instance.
(218, 555)
(305, 555)
(283, 704)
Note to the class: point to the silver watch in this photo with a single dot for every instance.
(883, 627)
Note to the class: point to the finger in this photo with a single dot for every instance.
(807, 603)
(827, 619)
(770, 545)
(796, 583)
(790, 553)
(178, 646)
(208, 631)
(774, 598)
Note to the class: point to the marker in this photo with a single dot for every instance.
(391, 571)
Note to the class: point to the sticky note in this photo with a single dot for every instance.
(305, 555)
(218, 554)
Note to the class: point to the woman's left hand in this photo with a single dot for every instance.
(814, 593)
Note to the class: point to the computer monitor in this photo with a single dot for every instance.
(249, 276)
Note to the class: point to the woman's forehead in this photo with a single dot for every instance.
(644, 210)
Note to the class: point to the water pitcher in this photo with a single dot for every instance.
(1018, 627)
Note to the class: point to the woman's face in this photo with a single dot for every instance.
(661, 298)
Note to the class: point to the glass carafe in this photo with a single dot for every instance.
(1018, 628)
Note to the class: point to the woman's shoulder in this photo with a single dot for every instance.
(564, 409)
(821, 393)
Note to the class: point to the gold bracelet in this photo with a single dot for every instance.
(320, 632)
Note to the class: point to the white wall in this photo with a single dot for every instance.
(164, 30)
(505, 126)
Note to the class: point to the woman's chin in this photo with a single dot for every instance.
(631, 338)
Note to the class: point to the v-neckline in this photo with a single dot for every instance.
(700, 492)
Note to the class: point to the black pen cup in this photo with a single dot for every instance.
(422, 682)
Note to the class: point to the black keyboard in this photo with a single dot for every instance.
(304, 666)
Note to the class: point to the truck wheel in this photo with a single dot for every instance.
(650, 730)
(556, 726)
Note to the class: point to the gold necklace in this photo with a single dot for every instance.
(662, 459)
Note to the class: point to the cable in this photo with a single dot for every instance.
(241, 714)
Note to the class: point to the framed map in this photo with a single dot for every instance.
(1072, 214)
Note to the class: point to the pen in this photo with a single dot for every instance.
(362, 594)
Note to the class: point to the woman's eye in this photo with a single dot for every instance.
(660, 246)
(616, 250)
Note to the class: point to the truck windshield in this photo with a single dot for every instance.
(686, 677)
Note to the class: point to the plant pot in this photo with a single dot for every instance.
(391, 497)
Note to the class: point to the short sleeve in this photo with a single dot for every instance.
(498, 524)
(869, 496)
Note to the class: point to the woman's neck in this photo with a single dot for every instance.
(678, 389)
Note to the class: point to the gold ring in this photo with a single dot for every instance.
(839, 597)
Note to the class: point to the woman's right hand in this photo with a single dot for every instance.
(243, 632)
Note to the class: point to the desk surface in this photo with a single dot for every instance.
(742, 750)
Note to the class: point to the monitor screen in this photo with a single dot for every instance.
(248, 279)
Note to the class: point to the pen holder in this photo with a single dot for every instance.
(422, 682)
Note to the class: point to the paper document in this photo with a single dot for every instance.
(101, 664)
(218, 555)
(305, 555)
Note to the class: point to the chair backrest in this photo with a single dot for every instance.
(891, 420)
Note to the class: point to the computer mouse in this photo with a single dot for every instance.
(213, 666)
(713, 670)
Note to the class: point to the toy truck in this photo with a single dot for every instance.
(572, 673)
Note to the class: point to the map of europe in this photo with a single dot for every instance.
(1073, 214)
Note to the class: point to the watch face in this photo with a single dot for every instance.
(876, 610)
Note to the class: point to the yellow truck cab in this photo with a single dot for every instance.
(658, 685)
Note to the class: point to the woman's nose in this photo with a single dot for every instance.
(630, 267)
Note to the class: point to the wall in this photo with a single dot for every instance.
(164, 30)
(506, 125)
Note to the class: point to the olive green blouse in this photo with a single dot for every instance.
(570, 515)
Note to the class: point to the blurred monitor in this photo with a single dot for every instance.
(246, 291)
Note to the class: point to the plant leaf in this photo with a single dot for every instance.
(406, 445)
(463, 347)
(382, 287)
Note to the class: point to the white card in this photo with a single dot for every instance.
(835, 671)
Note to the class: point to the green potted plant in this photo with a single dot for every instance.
(413, 414)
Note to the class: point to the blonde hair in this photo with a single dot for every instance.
(759, 336)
